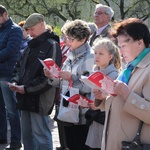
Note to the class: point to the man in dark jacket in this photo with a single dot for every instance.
(30, 83)
(10, 42)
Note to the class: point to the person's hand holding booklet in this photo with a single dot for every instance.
(12, 86)
(99, 81)
(79, 99)
(51, 66)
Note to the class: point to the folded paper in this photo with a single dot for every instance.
(100, 81)
(51, 66)
(79, 99)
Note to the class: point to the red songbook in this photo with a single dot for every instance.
(61, 43)
(100, 81)
(51, 66)
(79, 99)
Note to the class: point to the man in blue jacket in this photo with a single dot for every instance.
(10, 42)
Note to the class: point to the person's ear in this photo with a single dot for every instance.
(4, 15)
(108, 17)
(140, 41)
(83, 40)
(42, 24)
(110, 57)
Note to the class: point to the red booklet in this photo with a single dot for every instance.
(50, 65)
(61, 44)
(100, 81)
(79, 99)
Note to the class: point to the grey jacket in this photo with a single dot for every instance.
(104, 33)
(79, 62)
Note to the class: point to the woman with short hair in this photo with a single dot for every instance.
(80, 60)
(131, 105)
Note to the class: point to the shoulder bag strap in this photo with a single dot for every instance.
(139, 128)
(138, 133)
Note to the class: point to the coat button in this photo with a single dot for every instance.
(142, 106)
(134, 101)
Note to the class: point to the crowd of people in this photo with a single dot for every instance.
(120, 51)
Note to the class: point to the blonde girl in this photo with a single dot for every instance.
(107, 60)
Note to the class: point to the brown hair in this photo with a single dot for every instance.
(78, 29)
(134, 28)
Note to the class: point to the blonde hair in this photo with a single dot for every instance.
(111, 48)
(49, 27)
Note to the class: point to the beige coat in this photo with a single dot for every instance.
(123, 117)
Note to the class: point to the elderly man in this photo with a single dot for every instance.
(102, 16)
(30, 83)
(10, 42)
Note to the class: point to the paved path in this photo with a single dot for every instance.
(53, 127)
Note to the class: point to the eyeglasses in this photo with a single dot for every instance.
(63, 37)
(99, 13)
(70, 39)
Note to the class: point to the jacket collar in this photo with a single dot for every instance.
(106, 29)
(144, 62)
(99, 31)
(79, 52)
(7, 23)
(43, 37)
(110, 68)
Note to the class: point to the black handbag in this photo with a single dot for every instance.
(136, 143)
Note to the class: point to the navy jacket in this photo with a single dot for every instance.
(10, 42)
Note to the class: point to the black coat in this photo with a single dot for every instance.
(29, 71)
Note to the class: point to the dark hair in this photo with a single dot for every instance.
(2, 9)
(133, 27)
(78, 29)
